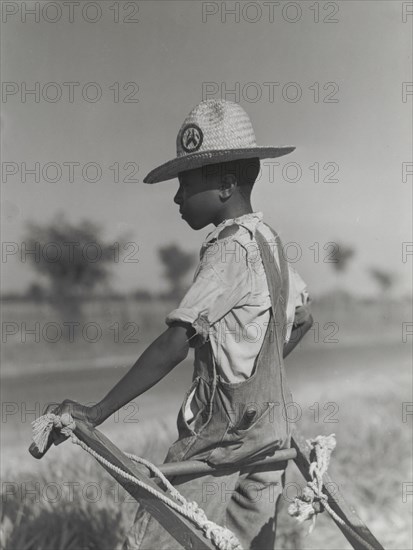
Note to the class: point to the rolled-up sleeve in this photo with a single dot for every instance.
(219, 285)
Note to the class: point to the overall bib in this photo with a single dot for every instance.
(234, 423)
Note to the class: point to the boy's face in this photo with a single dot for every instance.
(198, 196)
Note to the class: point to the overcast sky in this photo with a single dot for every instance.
(332, 89)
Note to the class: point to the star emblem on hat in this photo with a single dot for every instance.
(191, 138)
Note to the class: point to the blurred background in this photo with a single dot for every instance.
(93, 95)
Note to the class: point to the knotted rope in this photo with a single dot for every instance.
(313, 500)
(222, 537)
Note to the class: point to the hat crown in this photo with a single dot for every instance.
(215, 125)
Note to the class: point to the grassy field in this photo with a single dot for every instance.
(354, 387)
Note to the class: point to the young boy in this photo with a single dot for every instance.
(245, 311)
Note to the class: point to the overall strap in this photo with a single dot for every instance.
(283, 266)
(277, 278)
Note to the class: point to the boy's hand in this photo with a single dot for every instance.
(75, 410)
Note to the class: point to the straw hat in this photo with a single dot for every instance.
(214, 131)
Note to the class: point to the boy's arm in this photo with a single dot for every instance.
(167, 351)
(303, 321)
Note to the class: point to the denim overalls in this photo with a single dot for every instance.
(235, 422)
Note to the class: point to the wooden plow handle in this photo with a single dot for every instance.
(335, 500)
(181, 529)
(34, 451)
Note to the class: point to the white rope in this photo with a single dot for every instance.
(313, 500)
(222, 537)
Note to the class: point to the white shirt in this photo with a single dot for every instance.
(229, 302)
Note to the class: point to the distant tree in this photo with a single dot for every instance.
(384, 279)
(36, 292)
(340, 257)
(177, 263)
(72, 257)
(142, 295)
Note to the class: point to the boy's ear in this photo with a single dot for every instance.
(228, 184)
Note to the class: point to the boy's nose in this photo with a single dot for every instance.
(178, 198)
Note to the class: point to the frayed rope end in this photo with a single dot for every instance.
(43, 426)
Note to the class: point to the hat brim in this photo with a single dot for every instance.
(173, 167)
